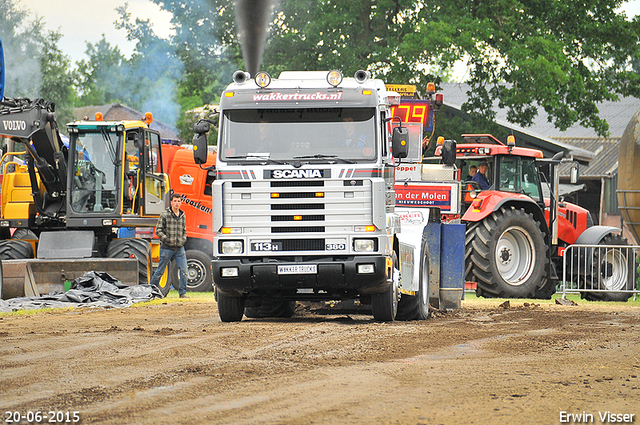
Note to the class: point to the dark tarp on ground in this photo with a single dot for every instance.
(93, 289)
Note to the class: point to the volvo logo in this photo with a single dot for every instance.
(15, 125)
(296, 174)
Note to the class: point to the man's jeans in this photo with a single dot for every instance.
(166, 255)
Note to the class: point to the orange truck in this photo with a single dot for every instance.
(193, 183)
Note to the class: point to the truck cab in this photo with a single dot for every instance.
(303, 202)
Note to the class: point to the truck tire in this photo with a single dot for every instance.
(611, 270)
(270, 308)
(230, 309)
(416, 307)
(507, 254)
(385, 305)
(199, 274)
(130, 248)
(15, 249)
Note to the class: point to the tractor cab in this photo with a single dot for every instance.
(507, 168)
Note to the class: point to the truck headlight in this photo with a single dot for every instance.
(364, 245)
(231, 247)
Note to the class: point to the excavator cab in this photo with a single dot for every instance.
(116, 176)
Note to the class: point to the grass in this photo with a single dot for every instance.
(173, 297)
(468, 296)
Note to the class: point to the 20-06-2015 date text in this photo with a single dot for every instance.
(51, 417)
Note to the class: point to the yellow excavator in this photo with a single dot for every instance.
(62, 204)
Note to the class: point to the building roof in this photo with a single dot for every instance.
(605, 163)
(117, 111)
(617, 114)
(526, 137)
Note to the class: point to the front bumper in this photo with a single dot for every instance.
(334, 277)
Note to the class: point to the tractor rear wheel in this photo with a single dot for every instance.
(612, 270)
(507, 254)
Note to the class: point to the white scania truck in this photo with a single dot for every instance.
(304, 199)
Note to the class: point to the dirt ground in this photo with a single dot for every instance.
(177, 363)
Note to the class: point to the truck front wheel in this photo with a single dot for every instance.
(230, 309)
(385, 305)
(417, 307)
(507, 254)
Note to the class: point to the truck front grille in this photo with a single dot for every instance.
(294, 216)
(317, 229)
(301, 244)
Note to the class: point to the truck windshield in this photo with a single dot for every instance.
(283, 134)
(94, 171)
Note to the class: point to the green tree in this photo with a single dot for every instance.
(102, 76)
(22, 42)
(206, 43)
(57, 79)
(564, 56)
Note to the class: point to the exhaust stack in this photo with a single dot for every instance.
(252, 18)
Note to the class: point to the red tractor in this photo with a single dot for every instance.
(515, 235)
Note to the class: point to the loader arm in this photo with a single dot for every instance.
(34, 124)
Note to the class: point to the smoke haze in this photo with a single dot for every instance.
(252, 17)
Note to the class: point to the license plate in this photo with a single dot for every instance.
(298, 269)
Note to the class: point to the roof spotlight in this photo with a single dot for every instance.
(334, 78)
(263, 79)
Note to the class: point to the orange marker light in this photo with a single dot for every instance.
(431, 88)
(99, 116)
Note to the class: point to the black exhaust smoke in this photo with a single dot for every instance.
(252, 17)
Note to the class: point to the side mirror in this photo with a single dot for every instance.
(201, 128)
(200, 148)
(137, 141)
(574, 173)
(449, 152)
(400, 142)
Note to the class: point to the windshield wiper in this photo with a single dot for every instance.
(257, 158)
(323, 156)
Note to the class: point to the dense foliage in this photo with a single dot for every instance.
(561, 55)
